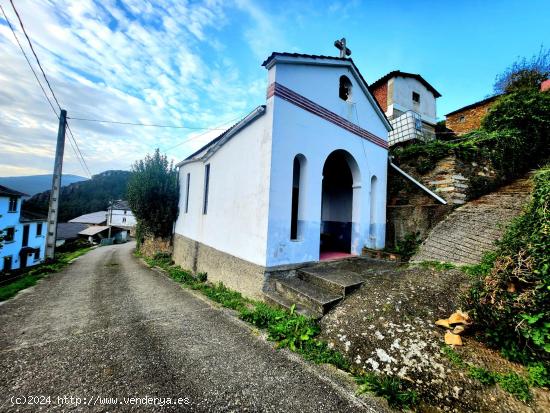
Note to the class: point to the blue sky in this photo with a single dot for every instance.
(197, 64)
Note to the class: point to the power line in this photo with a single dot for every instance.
(143, 124)
(29, 62)
(78, 149)
(80, 159)
(202, 134)
(34, 53)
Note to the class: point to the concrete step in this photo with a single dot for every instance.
(309, 295)
(340, 282)
(278, 300)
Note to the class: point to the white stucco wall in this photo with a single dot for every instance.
(250, 188)
(12, 248)
(122, 217)
(402, 99)
(236, 221)
(296, 131)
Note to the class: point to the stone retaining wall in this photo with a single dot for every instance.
(151, 246)
(471, 230)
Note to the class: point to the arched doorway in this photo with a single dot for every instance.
(339, 204)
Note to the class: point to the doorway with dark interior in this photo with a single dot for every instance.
(336, 207)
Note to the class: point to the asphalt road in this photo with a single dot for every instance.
(107, 329)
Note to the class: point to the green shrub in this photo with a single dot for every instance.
(511, 297)
(514, 137)
(482, 375)
(515, 385)
(408, 246)
(539, 375)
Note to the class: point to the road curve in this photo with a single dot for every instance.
(107, 328)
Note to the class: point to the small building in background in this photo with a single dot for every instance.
(104, 234)
(409, 102)
(24, 233)
(93, 218)
(468, 118)
(119, 214)
(68, 232)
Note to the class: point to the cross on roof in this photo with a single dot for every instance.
(341, 45)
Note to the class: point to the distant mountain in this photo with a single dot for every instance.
(85, 196)
(33, 184)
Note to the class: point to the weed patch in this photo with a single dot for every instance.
(394, 390)
(438, 266)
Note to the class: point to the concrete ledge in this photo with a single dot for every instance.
(235, 273)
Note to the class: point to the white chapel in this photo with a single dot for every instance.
(301, 178)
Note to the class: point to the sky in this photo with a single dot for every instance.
(197, 64)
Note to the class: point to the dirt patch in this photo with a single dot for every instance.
(387, 327)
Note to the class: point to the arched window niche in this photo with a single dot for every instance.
(298, 198)
(345, 88)
(373, 211)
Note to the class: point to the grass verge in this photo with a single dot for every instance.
(510, 382)
(287, 329)
(37, 272)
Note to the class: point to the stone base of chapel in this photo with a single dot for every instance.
(233, 272)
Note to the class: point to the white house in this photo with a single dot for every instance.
(300, 179)
(24, 233)
(409, 102)
(120, 214)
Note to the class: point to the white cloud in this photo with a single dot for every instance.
(151, 62)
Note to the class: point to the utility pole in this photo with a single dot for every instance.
(56, 186)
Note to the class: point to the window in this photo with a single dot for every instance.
(36, 254)
(296, 214)
(345, 88)
(462, 119)
(187, 193)
(13, 204)
(123, 220)
(124, 212)
(206, 185)
(38, 229)
(9, 234)
(416, 97)
(418, 124)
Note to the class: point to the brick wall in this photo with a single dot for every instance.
(471, 118)
(381, 95)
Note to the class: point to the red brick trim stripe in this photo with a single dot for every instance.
(276, 89)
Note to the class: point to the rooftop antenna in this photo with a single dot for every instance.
(341, 45)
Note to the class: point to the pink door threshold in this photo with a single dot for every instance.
(334, 255)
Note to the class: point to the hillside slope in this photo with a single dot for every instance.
(469, 231)
(84, 197)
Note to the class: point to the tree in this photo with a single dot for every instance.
(153, 195)
(524, 74)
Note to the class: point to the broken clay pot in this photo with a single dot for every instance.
(452, 339)
(459, 318)
(443, 323)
